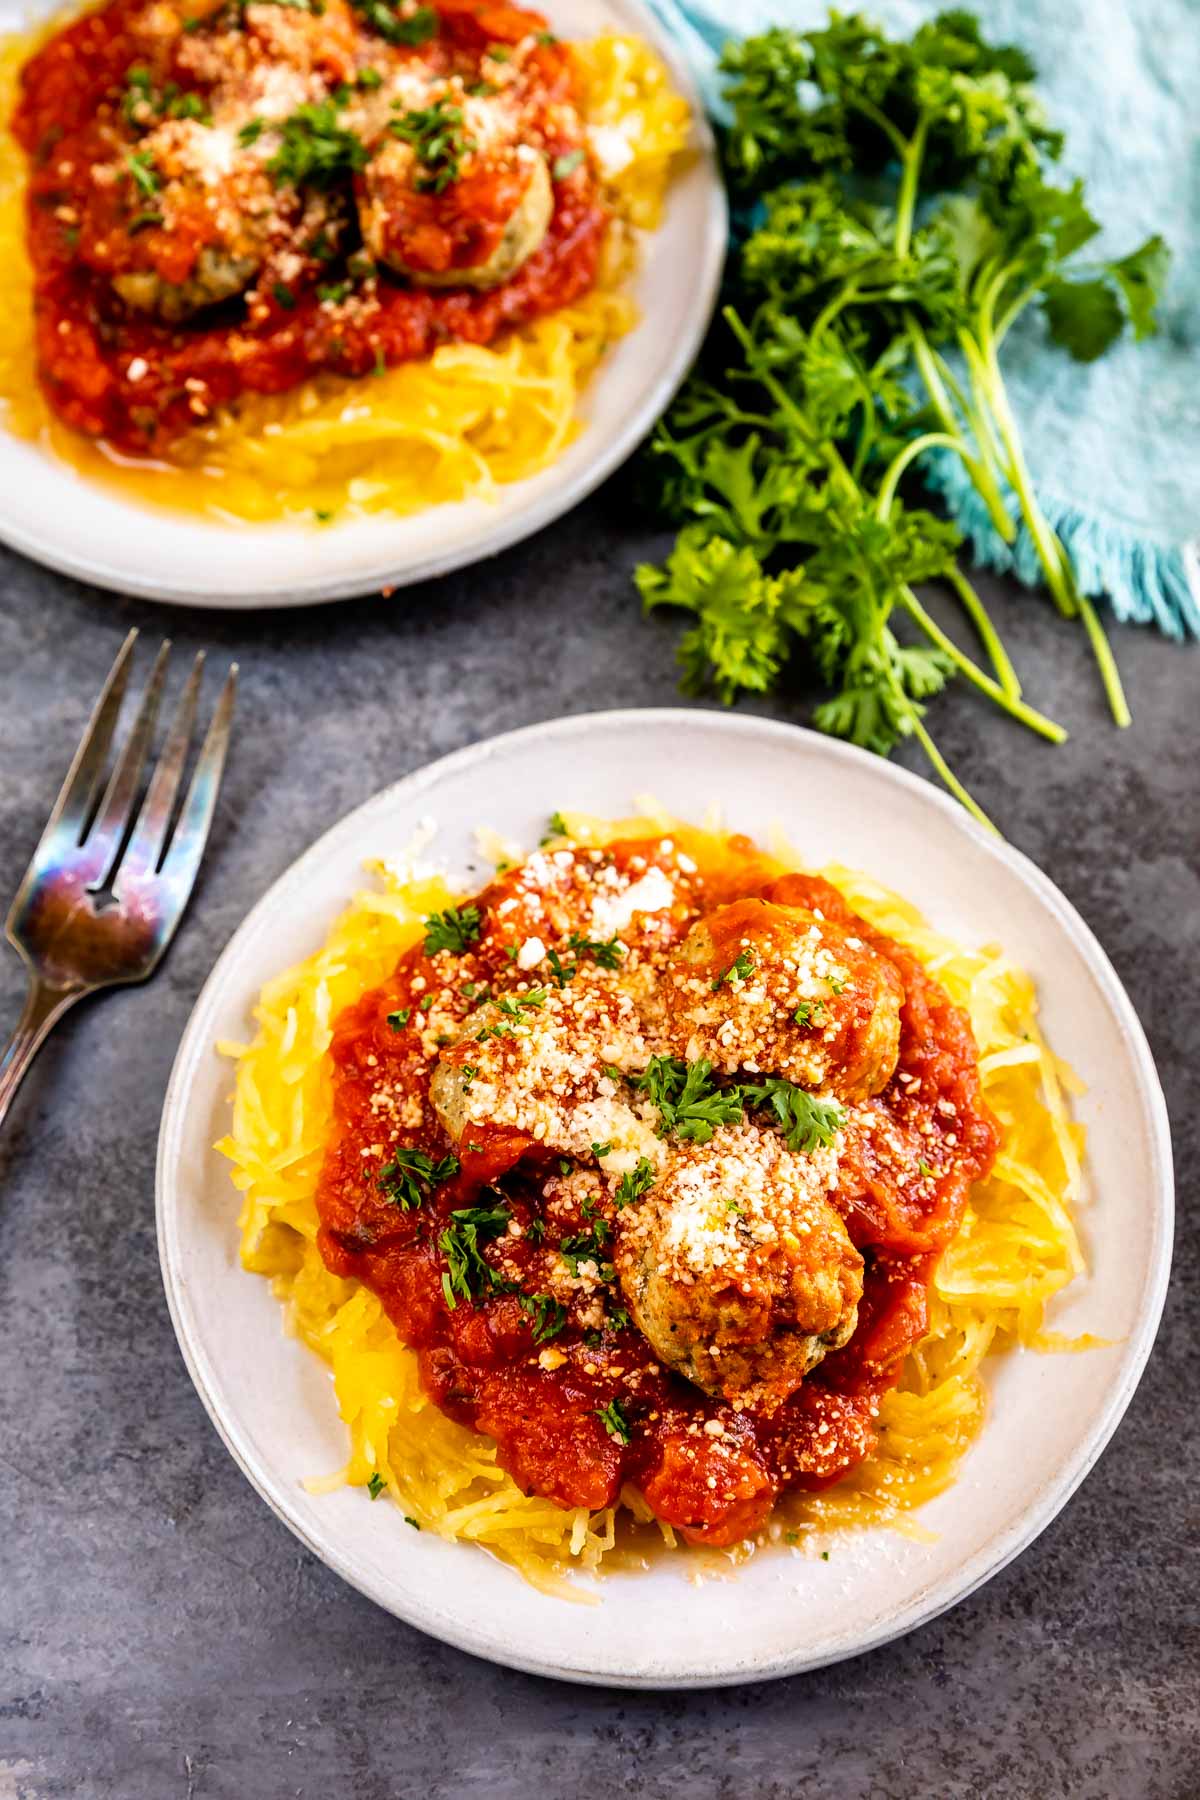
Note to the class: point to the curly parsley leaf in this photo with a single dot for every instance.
(690, 1104)
(806, 1122)
(455, 929)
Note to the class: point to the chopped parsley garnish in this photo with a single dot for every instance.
(425, 1003)
(607, 952)
(284, 296)
(315, 148)
(562, 166)
(411, 1174)
(457, 928)
(631, 1187)
(415, 1523)
(546, 39)
(399, 1019)
(334, 292)
(512, 1006)
(468, 1275)
(806, 1121)
(838, 983)
(556, 826)
(469, 1072)
(738, 970)
(545, 1314)
(559, 969)
(925, 1170)
(251, 131)
(439, 141)
(803, 1014)
(188, 106)
(141, 168)
(564, 1165)
(601, 1149)
(376, 1485)
(535, 1231)
(417, 28)
(588, 1246)
(369, 78)
(139, 94)
(499, 1030)
(142, 220)
(618, 1318)
(613, 1419)
(612, 1071)
(688, 1101)
(499, 53)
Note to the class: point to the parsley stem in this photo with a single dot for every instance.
(988, 636)
(937, 375)
(1056, 564)
(948, 777)
(910, 174)
(1017, 709)
(929, 440)
(1110, 675)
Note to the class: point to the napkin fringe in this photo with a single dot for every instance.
(1145, 583)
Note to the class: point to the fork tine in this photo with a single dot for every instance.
(106, 836)
(72, 809)
(191, 833)
(153, 821)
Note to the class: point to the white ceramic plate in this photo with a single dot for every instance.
(1050, 1416)
(53, 515)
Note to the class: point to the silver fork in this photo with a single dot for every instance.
(106, 890)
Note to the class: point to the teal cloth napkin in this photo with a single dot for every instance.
(1114, 445)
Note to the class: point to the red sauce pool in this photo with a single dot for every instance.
(480, 1361)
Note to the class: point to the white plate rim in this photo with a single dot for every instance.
(197, 1041)
(514, 517)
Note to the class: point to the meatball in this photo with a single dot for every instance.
(214, 225)
(781, 990)
(735, 1266)
(467, 214)
(534, 1064)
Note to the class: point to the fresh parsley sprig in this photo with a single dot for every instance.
(905, 209)
(456, 928)
(690, 1104)
(806, 1122)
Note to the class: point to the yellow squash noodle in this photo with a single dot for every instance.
(1017, 1248)
(455, 426)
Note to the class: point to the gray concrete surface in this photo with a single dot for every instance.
(162, 1636)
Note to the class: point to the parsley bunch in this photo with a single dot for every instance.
(903, 209)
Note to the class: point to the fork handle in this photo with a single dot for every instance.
(44, 1007)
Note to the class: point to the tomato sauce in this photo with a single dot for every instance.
(139, 382)
(712, 1469)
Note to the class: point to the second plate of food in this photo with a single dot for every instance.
(674, 1241)
(339, 297)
